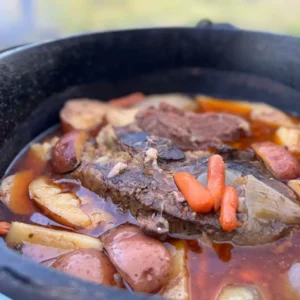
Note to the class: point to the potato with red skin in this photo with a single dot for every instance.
(83, 114)
(88, 264)
(67, 151)
(144, 262)
(278, 159)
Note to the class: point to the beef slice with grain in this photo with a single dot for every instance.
(189, 130)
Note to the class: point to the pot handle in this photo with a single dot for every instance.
(208, 24)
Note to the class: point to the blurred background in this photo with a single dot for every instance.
(24, 21)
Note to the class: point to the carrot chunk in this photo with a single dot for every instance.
(4, 228)
(196, 195)
(229, 206)
(127, 101)
(216, 179)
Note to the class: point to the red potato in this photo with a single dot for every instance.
(127, 101)
(88, 264)
(83, 114)
(67, 151)
(142, 261)
(279, 160)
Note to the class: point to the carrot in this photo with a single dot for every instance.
(196, 195)
(127, 101)
(216, 179)
(229, 206)
(4, 228)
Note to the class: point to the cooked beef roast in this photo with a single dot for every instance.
(149, 191)
(191, 131)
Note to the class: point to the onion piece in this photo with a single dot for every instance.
(230, 176)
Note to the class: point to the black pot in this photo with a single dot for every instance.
(35, 81)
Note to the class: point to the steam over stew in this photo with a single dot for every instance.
(187, 198)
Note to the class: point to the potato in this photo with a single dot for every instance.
(142, 261)
(295, 186)
(87, 264)
(281, 162)
(62, 207)
(21, 232)
(121, 117)
(270, 115)
(67, 152)
(178, 284)
(83, 114)
(14, 192)
(178, 100)
(289, 137)
(43, 150)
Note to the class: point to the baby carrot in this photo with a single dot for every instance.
(216, 179)
(196, 195)
(4, 228)
(229, 206)
(127, 101)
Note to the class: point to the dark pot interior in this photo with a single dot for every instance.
(36, 80)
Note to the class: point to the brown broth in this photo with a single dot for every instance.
(209, 268)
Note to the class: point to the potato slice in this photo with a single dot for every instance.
(178, 284)
(295, 186)
(289, 137)
(84, 114)
(121, 117)
(62, 207)
(21, 232)
(270, 115)
(67, 152)
(14, 192)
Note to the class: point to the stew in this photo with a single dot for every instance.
(190, 198)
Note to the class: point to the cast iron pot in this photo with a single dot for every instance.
(35, 81)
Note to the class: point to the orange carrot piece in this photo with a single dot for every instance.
(127, 101)
(196, 195)
(229, 206)
(216, 179)
(4, 228)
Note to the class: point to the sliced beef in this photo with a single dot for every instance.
(189, 130)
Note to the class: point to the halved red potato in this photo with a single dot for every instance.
(279, 160)
(67, 152)
(88, 264)
(83, 114)
(14, 192)
(144, 262)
